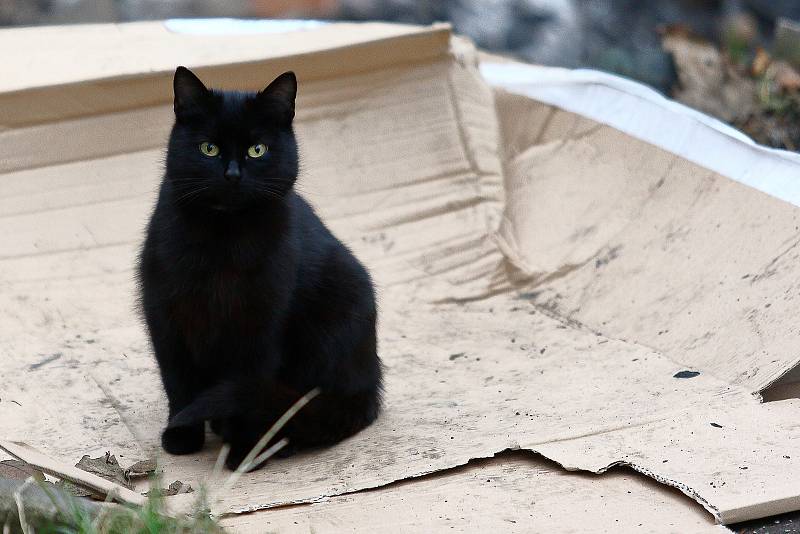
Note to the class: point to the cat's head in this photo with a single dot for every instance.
(230, 151)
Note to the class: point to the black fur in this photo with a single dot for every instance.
(249, 300)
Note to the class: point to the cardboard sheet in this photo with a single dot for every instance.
(514, 493)
(645, 114)
(541, 287)
(653, 248)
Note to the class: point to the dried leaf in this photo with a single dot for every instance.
(707, 82)
(106, 467)
(141, 469)
(175, 488)
(19, 470)
(761, 62)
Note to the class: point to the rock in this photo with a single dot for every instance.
(787, 41)
(786, 77)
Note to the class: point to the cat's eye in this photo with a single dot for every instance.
(256, 151)
(209, 149)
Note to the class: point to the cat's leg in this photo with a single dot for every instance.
(240, 446)
(216, 426)
(333, 347)
(179, 380)
(327, 419)
(243, 432)
(252, 413)
(330, 418)
(181, 389)
(343, 347)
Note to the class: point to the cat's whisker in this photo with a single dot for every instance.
(270, 193)
(190, 195)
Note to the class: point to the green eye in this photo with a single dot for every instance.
(256, 151)
(209, 149)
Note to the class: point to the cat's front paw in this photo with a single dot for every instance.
(183, 439)
(216, 426)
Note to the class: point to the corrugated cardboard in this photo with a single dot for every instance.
(511, 494)
(540, 284)
(701, 273)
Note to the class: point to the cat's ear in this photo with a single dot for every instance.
(190, 93)
(280, 95)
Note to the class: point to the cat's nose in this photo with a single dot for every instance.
(232, 173)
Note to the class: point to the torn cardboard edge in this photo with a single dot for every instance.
(510, 495)
(752, 512)
(683, 488)
(726, 517)
(36, 459)
(512, 491)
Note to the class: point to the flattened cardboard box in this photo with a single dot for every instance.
(544, 280)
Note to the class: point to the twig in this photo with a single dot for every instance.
(223, 455)
(247, 463)
(269, 453)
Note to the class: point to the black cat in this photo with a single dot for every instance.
(249, 299)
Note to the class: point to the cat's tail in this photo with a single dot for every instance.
(217, 402)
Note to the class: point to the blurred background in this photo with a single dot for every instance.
(738, 60)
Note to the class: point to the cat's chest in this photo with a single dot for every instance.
(231, 284)
(219, 310)
(227, 286)
(227, 289)
(227, 300)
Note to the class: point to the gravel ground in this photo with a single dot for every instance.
(779, 524)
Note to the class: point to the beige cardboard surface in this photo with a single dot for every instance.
(514, 493)
(504, 323)
(59, 52)
(653, 249)
(80, 70)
